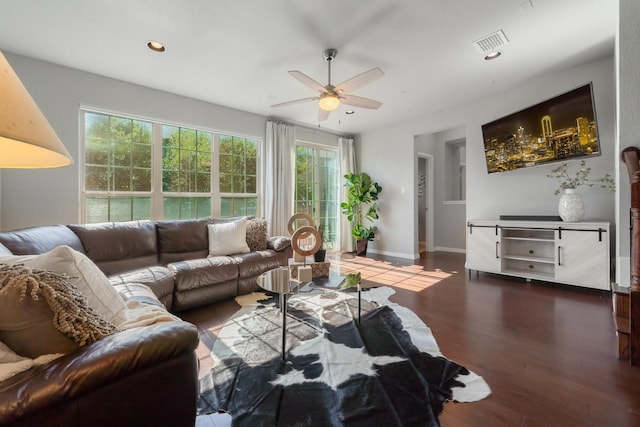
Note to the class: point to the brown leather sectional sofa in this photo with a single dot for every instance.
(143, 376)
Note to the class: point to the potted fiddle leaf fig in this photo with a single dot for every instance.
(361, 208)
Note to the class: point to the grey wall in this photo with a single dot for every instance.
(39, 197)
(628, 120)
(36, 197)
(388, 154)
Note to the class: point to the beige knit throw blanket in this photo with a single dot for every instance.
(72, 314)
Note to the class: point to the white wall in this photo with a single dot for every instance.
(388, 155)
(40, 197)
(628, 121)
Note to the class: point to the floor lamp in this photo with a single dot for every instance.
(27, 140)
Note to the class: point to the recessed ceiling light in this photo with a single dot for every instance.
(349, 112)
(155, 46)
(492, 55)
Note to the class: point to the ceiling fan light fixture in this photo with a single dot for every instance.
(329, 102)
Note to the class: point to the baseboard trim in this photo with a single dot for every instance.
(394, 254)
(416, 255)
(445, 249)
(623, 265)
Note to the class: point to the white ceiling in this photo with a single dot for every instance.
(237, 53)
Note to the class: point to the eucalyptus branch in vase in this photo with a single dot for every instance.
(581, 177)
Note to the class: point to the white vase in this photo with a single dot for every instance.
(571, 207)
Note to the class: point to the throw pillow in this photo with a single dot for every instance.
(279, 243)
(230, 219)
(257, 234)
(228, 238)
(41, 312)
(84, 275)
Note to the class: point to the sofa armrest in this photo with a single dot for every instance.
(107, 361)
(279, 243)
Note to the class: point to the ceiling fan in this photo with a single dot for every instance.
(330, 97)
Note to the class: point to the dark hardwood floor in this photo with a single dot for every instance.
(547, 351)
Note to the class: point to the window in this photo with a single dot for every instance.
(138, 169)
(317, 192)
(186, 172)
(117, 161)
(238, 176)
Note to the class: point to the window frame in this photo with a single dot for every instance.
(156, 192)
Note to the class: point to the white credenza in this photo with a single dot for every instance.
(572, 253)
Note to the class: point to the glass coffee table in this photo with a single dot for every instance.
(279, 281)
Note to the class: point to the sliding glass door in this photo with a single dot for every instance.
(317, 192)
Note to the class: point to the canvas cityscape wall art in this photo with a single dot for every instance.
(558, 129)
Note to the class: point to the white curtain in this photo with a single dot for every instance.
(347, 165)
(279, 158)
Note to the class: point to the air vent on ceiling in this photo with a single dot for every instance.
(491, 42)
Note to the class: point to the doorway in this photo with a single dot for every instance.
(424, 205)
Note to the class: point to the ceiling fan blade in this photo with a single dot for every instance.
(360, 80)
(307, 81)
(323, 114)
(358, 101)
(296, 101)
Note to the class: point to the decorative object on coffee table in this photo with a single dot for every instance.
(321, 253)
(305, 273)
(292, 225)
(303, 248)
(300, 237)
(318, 269)
(352, 280)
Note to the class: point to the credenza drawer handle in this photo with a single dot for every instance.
(559, 261)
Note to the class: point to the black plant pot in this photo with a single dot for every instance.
(361, 247)
(319, 256)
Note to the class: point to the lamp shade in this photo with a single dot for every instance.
(27, 140)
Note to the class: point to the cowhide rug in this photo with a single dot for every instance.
(387, 371)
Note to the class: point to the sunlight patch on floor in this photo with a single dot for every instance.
(436, 273)
(377, 273)
(417, 283)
